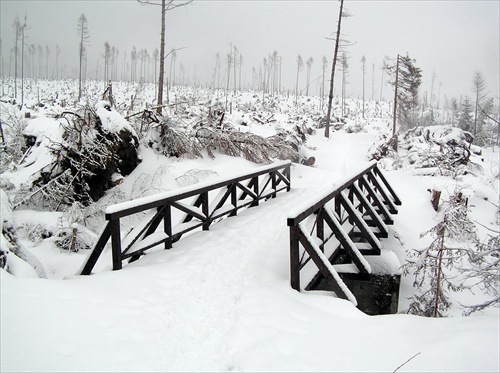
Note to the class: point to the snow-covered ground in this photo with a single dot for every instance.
(220, 300)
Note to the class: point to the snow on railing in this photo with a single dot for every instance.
(212, 201)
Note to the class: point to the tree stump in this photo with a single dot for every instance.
(436, 195)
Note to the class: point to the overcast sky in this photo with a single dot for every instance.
(451, 38)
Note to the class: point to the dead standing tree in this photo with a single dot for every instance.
(330, 95)
(165, 6)
(82, 27)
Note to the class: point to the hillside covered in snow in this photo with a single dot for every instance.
(220, 300)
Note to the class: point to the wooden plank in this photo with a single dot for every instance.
(360, 223)
(116, 249)
(255, 184)
(167, 225)
(221, 199)
(328, 273)
(320, 227)
(268, 181)
(294, 258)
(377, 202)
(205, 210)
(397, 201)
(147, 230)
(379, 223)
(152, 241)
(381, 191)
(234, 200)
(189, 210)
(246, 191)
(273, 183)
(347, 244)
(282, 177)
(97, 251)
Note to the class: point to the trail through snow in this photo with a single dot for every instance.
(220, 300)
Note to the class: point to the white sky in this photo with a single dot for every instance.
(451, 38)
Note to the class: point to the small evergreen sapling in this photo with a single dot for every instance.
(433, 266)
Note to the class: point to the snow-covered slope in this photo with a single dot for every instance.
(220, 300)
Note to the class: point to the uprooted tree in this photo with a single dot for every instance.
(97, 147)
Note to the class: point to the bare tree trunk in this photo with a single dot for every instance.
(330, 95)
(162, 60)
(394, 115)
(80, 72)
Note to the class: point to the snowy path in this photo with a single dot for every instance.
(219, 269)
(220, 301)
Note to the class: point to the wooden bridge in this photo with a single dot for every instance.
(331, 236)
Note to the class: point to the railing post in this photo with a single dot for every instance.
(116, 246)
(287, 173)
(167, 225)
(273, 182)
(255, 184)
(234, 199)
(205, 210)
(294, 258)
(320, 228)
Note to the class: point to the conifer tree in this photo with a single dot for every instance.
(466, 122)
(451, 239)
(407, 80)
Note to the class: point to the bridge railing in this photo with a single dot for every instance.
(184, 210)
(331, 234)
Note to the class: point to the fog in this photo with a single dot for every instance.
(451, 39)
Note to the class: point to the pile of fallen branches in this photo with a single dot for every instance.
(443, 150)
(244, 144)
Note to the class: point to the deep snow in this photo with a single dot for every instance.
(220, 300)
